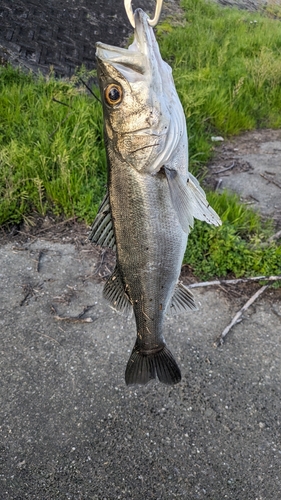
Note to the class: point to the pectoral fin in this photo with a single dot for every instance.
(202, 209)
(182, 300)
(114, 292)
(189, 201)
(180, 199)
(102, 229)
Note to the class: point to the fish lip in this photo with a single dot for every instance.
(143, 35)
(103, 47)
(143, 43)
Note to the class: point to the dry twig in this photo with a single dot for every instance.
(225, 169)
(234, 281)
(56, 225)
(271, 180)
(48, 337)
(238, 316)
(218, 184)
(40, 255)
(73, 319)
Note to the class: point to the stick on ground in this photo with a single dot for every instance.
(73, 319)
(271, 180)
(225, 169)
(234, 281)
(238, 315)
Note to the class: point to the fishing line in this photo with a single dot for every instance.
(90, 90)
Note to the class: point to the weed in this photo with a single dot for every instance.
(233, 248)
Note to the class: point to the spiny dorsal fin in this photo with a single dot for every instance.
(102, 229)
(182, 300)
(114, 292)
(189, 201)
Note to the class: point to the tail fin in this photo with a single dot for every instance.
(142, 367)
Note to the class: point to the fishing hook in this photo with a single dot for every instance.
(151, 22)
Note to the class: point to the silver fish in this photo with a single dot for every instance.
(151, 200)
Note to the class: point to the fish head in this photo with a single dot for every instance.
(139, 99)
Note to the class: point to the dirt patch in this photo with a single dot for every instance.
(250, 165)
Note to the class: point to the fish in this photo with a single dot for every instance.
(151, 199)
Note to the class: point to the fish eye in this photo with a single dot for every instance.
(113, 94)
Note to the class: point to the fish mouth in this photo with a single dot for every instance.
(140, 55)
(144, 39)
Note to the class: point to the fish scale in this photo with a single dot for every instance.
(152, 199)
(148, 271)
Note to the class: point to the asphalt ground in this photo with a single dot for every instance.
(71, 429)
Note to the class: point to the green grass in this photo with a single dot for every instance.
(226, 66)
(51, 155)
(238, 247)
